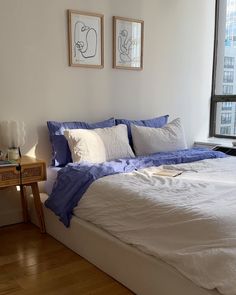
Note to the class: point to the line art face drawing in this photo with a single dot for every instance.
(127, 43)
(124, 46)
(85, 40)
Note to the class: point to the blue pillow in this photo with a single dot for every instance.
(60, 150)
(155, 123)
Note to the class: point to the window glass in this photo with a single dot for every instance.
(228, 62)
(226, 50)
(225, 130)
(226, 118)
(223, 120)
(228, 89)
(227, 106)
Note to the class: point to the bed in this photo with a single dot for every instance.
(171, 234)
(135, 266)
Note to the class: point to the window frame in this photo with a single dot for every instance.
(215, 98)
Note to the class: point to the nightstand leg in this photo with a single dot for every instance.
(24, 204)
(38, 206)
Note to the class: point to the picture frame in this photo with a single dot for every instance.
(86, 39)
(128, 36)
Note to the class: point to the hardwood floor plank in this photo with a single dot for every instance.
(7, 284)
(35, 264)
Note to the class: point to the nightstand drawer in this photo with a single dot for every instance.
(29, 174)
(8, 176)
(33, 173)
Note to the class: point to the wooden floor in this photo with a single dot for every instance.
(32, 263)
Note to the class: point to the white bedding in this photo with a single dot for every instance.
(51, 178)
(188, 221)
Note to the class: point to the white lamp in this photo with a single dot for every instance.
(12, 137)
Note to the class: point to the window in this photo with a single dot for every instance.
(225, 115)
(229, 62)
(225, 130)
(228, 89)
(223, 103)
(228, 77)
(226, 106)
(226, 118)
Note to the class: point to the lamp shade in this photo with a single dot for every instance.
(12, 134)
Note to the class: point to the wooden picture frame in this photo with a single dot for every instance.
(128, 35)
(86, 39)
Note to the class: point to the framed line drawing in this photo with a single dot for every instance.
(127, 43)
(86, 39)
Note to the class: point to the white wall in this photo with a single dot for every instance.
(36, 83)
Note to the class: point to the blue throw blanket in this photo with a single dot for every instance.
(73, 180)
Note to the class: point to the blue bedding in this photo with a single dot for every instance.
(73, 180)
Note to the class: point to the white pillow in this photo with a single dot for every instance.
(99, 145)
(148, 140)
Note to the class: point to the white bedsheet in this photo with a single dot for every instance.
(51, 178)
(188, 221)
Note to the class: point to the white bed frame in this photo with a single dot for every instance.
(141, 273)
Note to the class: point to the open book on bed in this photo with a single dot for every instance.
(167, 172)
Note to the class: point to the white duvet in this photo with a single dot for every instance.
(189, 221)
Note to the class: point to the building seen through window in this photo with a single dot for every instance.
(225, 130)
(228, 89)
(228, 62)
(228, 76)
(226, 118)
(227, 106)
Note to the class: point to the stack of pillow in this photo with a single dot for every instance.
(113, 139)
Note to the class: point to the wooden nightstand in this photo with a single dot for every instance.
(28, 173)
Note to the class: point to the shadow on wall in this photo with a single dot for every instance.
(41, 149)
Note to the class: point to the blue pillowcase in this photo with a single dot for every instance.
(154, 123)
(60, 150)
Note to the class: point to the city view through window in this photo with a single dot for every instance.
(226, 68)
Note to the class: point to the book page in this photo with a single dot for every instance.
(167, 172)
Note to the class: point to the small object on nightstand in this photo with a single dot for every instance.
(12, 137)
(6, 163)
(13, 154)
(234, 143)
